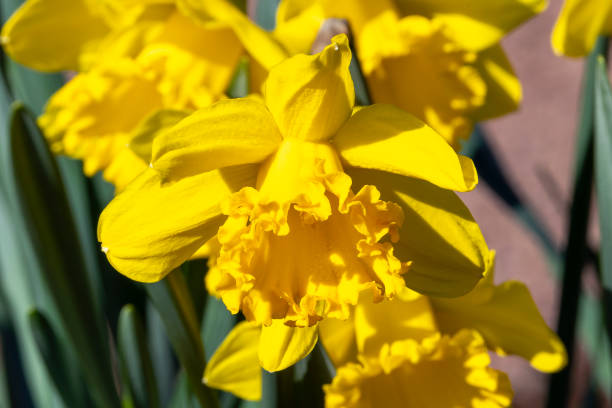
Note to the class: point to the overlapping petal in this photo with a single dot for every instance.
(150, 228)
(311, 96)
(439, 235)
(504, 92)
(234, 367)
(141, 142)
(338, 338)
(476, 24)
(281, 346)
(408, 316)
(509, 321)
(228, 133)
(260, 44)
(384, 137)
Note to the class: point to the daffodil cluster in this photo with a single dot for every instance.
(321, 220)
(417, 341)
(139, 66)
(438, 59)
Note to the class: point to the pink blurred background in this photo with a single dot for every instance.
(535, 148)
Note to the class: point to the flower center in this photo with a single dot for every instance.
(303, 246)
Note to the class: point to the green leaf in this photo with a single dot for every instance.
(182, 397)
(53, 352)
(603, 184)
(603, 168)
(265, 13)
(34, 181)
(218, 322)
(163, 361)
(172, 300)
(135, 358)
(194, 272)
(32, 87)
(239, 87)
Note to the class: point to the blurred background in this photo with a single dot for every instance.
(533, 149)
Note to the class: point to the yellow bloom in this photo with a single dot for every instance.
(440, 60)
(440, 371)
(140, 61)
(296, 183)
(503, 317)
(579, 24)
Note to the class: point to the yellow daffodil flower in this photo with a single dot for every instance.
(459, 362)
(292, 187)
(579, 24)
(141, 63)
(438, 59)
(505, 315)
(503, 318)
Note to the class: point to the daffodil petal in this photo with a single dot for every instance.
(509, 321)
(281, 346)
(384, 137)
(338, 338)
(477, 24)
(297, 24)
(209, 249)
(408, 315)
(49, 35)
(228, 133)
(142, 137)
(579, 24)
(234, 367)
(260, 44)
(150, 229)
(440, 237)
(311, 96)
(504, 91)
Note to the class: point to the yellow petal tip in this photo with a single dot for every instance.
(104, 249)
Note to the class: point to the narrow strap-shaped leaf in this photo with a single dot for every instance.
(35, 182)
(218, 322)
(164, 363)
(136, 360)
(172, 299)
(578, 222)
(182, 397)
(269, 389)
(603, 182)
(52, 353)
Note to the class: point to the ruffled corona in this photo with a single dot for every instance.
(440, 371)
(93, 117)
(431, 65)
(303, 245)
